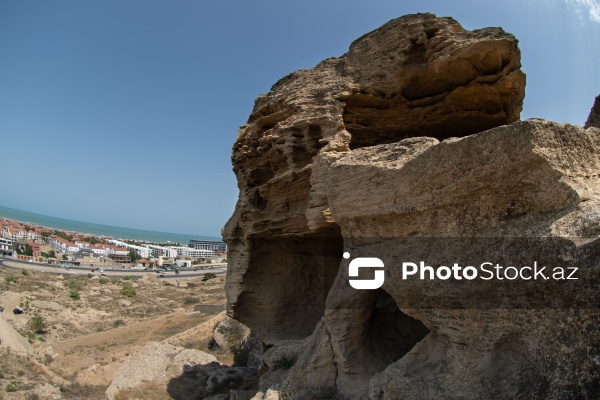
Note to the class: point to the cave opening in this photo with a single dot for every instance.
(391, 334)
(289, 277)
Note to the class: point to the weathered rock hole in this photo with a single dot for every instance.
(431, 32)
(391, 333)
(289, 279)
(258, 202)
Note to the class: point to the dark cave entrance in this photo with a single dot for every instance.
(390, 333)
(289, 278)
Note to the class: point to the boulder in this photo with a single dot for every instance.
(238, 378)
(157, 363)
(229, 332)
(124, 303)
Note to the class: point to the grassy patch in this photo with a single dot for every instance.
(128, 290)
(190, 300)
(208, 276)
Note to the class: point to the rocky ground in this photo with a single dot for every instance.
(76, 332)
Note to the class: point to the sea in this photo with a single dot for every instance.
(115, 232)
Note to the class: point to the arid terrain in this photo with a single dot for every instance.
(76, 331)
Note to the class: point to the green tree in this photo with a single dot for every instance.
(63, 235)
(133, 255)
(91, 240)
(49, 254)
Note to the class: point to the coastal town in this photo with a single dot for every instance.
(31, 243)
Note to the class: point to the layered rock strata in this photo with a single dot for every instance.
(407, 148)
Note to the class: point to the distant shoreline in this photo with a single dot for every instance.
(97, 230)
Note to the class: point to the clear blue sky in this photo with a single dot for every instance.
(123, 112)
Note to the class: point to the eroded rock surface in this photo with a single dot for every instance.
(416, 76)
(407, 148)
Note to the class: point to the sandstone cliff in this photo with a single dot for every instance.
(408, 148)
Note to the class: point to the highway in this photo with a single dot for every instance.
(9, 262)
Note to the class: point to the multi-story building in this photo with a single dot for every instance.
(8, 232)
(161, 251)
(193, 253)
(63, 245)
(98, 250)
(215, 246)
(143, 252)
(6, 246)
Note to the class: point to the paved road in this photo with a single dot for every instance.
(12, 263)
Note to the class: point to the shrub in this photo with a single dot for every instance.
(102, 281)
(191, 285)
(74, 294)
(208, 276)
(24, 272)
(118, 322)
(10, 279)
(128, 290)
(190, 300)
(37, 324)
(48, 358)
(74, 285)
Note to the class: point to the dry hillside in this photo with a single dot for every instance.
(76, 330)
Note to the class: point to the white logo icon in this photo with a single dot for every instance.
(365, 262)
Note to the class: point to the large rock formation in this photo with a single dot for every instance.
(401, 149)
(594, 118)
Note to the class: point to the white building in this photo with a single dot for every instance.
(193, 253)
(141, 251)
(9, 233)
(98, 250)
(63, 246)
(6, 245)
(82, 245)
(183, 263)
(156, 251)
